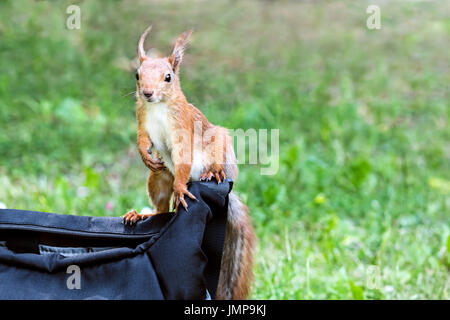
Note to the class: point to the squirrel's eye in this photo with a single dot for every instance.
(137, 75)
(167, 78)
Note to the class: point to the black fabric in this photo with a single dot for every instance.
(213, 242)
(169, 256)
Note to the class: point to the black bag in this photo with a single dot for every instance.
(168, 256)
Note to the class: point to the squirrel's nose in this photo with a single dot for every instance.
(148, 94)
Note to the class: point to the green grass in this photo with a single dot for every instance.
(360, 205)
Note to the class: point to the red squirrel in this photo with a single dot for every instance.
(167, 123)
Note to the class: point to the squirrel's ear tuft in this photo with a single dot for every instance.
(178, 51)
(141, 51)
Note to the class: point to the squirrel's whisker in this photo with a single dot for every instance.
(127, 94)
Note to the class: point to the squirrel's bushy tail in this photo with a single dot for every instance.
(236, 273)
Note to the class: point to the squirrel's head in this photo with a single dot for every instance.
(157, 78)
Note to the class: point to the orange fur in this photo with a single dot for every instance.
(165, 120)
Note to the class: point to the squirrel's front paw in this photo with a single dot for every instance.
(153, 164)
(218, 174)
(179, 192)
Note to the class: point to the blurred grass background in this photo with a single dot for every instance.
(359, 208)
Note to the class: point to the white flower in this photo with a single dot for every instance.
(2, 205)
(389, 289)
(82, 192)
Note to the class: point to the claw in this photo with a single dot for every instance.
(179, 198)
(190, 195)
(208, 175)
(183, 202)
(131, 218)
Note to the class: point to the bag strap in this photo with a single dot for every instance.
(212, 246)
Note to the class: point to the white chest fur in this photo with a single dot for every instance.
(157, 126)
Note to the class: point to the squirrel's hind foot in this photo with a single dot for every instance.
(132, 217)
